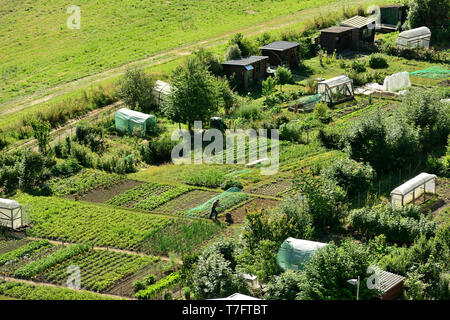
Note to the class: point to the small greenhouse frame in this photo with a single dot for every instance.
(412, 189)
(418, 37)
(13, 215)
(336, 90)
(126, 120)
(293, 253)
(161, 91)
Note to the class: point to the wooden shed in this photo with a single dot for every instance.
(282, 53)
(338, 38)
(366, 31)
(391, 16)
(249, 70)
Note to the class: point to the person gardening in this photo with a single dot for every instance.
(213, 210)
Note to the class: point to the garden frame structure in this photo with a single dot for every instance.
(418, 37)
(412, 189)
(336, 90)
(13, 215)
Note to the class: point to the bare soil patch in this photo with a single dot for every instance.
(186, 201)
(103, 194)
(237, 216)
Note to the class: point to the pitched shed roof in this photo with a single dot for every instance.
(280, 45)
(357, 22)
(245, 61)
(389, 280)
(337, 29)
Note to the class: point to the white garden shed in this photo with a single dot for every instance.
(418, 37)
(412, 189)
(13, 215)
(161, 91)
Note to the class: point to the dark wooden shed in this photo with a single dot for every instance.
(391, 16)
(366, 30)
(282, 53)
(249, 70)
(338, 38)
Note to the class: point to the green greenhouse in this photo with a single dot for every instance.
(293, 253)
(126, 120)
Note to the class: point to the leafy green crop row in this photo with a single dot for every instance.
(155, 289)
(84, 181)
(99, 269)
(38, 266)
(148, 196)
(31, 292)
(226, 200)
(22, 251)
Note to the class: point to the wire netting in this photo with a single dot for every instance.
(432, 73)
(227, 199)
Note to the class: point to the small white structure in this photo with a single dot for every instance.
(294, 253)
(13, 215)
(336, 90)
(397, 81)
(161, 91)
(418, 37)
(413, 189)
(237, 296)
(252, 280)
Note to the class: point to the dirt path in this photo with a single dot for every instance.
(169, 55)
(43, 284)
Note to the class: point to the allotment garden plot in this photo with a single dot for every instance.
(79, 222)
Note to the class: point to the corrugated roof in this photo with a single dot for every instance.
(389, 280)
(280, 45)
(337, 29)
(245, 61)
(357, 22)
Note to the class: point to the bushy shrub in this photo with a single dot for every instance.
(230, 183)
(291, 132)
(67, 168)
(90, 135)
(351, 175)
(249, 112)
(377, 61)
(358, 65)
(158, 151)
(210, 178)
(329, 138)
(321, 112)
(284, 287)
(394, 223)
(144, 283)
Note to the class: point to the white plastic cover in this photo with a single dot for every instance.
(397, 81)
(418, 37)
(237, 296)
(9, 204)
(415, 183)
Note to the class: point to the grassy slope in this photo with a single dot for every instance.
(36, 40)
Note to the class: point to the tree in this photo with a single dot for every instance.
(285, 287)
(31, 170)
(325, 276)
(322, 199)
(283, 76)
(195, 93)
(41, 132)
(233, 53)
(214, 278)
(227, 97)
(211, 61)
(268, 86)
(136, 91)
(430, 13)
(246, 46)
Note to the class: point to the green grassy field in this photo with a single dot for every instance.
(40, 51)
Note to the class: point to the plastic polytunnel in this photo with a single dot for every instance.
(418, 37)
(126, 120)
(413, 189)
(294, 253)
